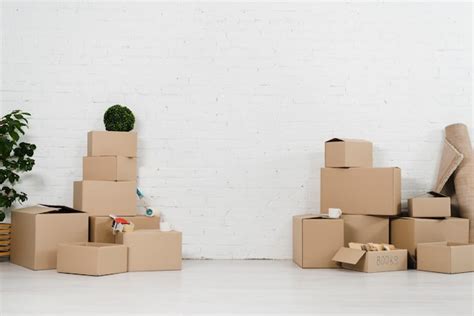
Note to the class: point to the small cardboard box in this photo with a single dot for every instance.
(372, 261)
(408, 232)
(363, 191)
(37, 230)
(445, 257)
(100, 227)
(92, 258)
(105, 143)
(316, 240)
(152, 249)
(431, 204)
(109, 168)
(102, 198)
(365, 228)
(343, 152)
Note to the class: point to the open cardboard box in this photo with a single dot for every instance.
(37, 231)
(431, 204)
(316, 240)
(372, 261)
(445, 257)
(92, 258)
(344, 152)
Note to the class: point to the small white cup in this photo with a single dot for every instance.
(334, 212)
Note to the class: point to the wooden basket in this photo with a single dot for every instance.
(5, 237)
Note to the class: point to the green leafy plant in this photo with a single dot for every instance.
(15, 157)
(119, 118)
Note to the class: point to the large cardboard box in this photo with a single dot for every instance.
(316, 240)
(100, 227)
(152, 249)
(92, 258)
(343, 152)
(366, 228)
(431, 204)
(102, 198)
(408, 232)
(365, 191)
(446, 257)
(105, 143)
(109, 168)
(37, 231)
(372, 261)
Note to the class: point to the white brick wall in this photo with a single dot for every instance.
(233, 101)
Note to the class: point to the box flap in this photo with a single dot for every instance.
(348, 255)
(43, 209)
(336, 139)
(436, 194)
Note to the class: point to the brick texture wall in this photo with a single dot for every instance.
(233, 101)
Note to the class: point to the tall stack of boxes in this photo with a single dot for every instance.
(81, 240)
(366, 196)
(370, 201)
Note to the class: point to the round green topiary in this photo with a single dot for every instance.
(119, 118)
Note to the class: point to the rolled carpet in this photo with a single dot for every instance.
(457, 166)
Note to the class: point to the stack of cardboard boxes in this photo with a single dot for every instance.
(370, 200)
(81, 240)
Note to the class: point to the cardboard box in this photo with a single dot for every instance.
(92, 258)
(316, 240)
(105, 143)
(343, 152)
(431, 204)
(363, 191)
(365, 229)
(109, 168)
(372, 261)
(408, 232)
(37, 231)
(102, 198)
(152, 249)
(100, 227)
(446, 257)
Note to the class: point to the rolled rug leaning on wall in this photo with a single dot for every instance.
(456, 172)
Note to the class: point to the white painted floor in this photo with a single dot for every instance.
(225, 287)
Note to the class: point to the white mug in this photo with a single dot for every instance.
(165, 226)
(334, 212)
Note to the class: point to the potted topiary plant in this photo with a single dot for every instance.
(15, 157)
(119, 118)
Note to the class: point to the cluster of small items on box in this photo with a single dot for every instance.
(372, 234)
(103, 233)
